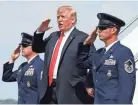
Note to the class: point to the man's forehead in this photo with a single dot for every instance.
(63, 13)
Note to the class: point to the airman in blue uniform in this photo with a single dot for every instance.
(113, 66)
(29, 73)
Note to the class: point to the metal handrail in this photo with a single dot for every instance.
(129, 24)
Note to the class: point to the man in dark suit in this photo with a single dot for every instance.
(28, 75)
(113, 66)
(63, 82)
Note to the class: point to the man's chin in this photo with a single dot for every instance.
(101, 39)
(61, 29)
(23, 54)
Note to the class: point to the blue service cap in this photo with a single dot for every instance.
(26, 39)
(106, 20)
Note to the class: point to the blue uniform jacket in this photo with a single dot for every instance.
(114, 73)
(28, 77)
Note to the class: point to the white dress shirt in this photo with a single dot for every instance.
(108, 47)
(66, 35)
(31, 59)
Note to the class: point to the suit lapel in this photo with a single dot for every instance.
(67, 43)
(23, 70)
(98, 57)
(107, 54)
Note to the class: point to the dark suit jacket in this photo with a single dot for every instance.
(68, 74)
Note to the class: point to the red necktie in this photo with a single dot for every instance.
(54, 58)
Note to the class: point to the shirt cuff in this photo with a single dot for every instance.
(37, 32)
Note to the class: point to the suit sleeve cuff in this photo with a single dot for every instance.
(8, 65)
(37, 32)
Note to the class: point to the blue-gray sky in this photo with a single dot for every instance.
(19, 16)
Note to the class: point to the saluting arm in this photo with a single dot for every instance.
(84, 56)
(85, 51)
(38, 44)
(8, 74)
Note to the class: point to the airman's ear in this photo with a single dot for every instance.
(114, 30)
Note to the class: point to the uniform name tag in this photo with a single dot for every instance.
(29, 72)
(110, 62)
